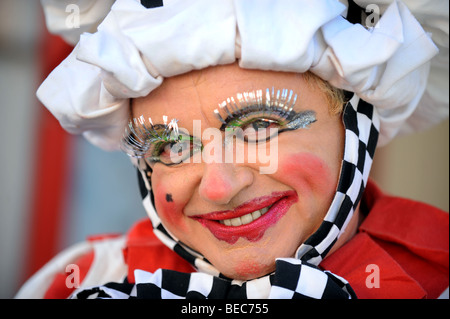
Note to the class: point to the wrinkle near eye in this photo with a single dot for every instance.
(195, 82)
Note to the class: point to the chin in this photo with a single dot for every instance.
(246, 260)
(248, 269)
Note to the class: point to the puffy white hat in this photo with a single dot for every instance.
(135, 48)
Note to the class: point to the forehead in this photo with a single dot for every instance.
(196, 94)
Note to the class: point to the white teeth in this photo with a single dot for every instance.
(256, 214)
(246, 219)
(236, 221)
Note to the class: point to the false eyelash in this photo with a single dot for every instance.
(275, 107)
(279, 103)
(139, 135)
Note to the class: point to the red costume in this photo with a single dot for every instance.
(400, 251)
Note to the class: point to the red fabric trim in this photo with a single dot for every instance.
(146, 252)
(406, 240)
(58, 289)
(93, 238)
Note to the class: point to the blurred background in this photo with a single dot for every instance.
(56, 189)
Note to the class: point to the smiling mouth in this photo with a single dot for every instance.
(246, 219)
(249, 220)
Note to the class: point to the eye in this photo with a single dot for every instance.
(257, 117)
(260, 130)
(174, 152)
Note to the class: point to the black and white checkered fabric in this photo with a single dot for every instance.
(362, 126)
(293, 277)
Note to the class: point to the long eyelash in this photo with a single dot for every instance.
(140, 135)
(254, 103)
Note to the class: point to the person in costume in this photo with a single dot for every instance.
(300, 93)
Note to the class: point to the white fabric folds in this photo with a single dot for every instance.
(70, 18)
(135, 48)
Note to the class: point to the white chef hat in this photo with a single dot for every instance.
(135, 48)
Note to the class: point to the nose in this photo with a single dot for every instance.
(221, 182)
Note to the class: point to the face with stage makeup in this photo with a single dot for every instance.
(238, 218)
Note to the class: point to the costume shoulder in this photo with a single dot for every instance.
(419, 227)
(88, 263)
(100, 260)
(400, 251)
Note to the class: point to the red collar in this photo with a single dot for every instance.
(145, 251)
(403, 241)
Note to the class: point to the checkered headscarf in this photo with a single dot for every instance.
(297, 277)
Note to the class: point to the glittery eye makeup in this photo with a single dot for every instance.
(255, 113)
(255, 116)
(165, 143)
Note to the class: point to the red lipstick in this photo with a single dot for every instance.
(279, 203)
